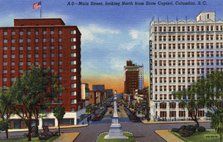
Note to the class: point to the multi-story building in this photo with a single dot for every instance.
(180, 53)
(47, 43)
(98, 87)
(133, 78)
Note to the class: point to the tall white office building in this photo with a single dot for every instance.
(180, 53)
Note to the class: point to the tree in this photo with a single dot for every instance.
(217, 122)
(32, 92)
(59, 114)
(6, 109)
(192, 98)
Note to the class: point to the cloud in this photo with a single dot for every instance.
(92, 33)
(134, 34)
(117, 64)
(137, 39)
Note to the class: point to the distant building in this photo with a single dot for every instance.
(109, 93)
(47, 43)
(99, 87)
(96, 97)
(84, 91)
(134, 79)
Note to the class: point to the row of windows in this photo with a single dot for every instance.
(188, 37)
(174, 79)
(188, 28)
(52, 70)
(43, 55)
(183, 46)
(36, 32)
(171, 63)
(37, 40)
(163, 114)
(5, 48)
(188, 54)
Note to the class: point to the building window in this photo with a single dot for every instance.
(60, 55)
(36, 32)
(4, 79)
(28, 33)
(73, 85)
(29, 63)
(44, 40)
(20, 71)
(12, 63)
(5, 41)
(44, 32)
(60, 32)
(12, 71)
(73, 101)
(36, 48)
(21, 48)
(60, 62)
(73, 70)
(73, 93)
(13, 79)
(73, 47)
(5, 71)
(5, 48)
(52, 63)
(73, 54)
(44, 55)
(20, 40)
(13, 40)
(5, 64)
(51, 32)
(60, 39)
(44, 63)
(44, 47)
(52, 55)
(21, 63)
(36, 40)
(60, 70)
(73, 63)
(73, 77)
(73, 32)
(28, 48)
(29, 56)
(73, 39)
(60, 78)
(60, 47)
(12, 48)
(36, 56)
(28, 40)
(52, 40)
(52, 47)
(5, 33)
(13, 56)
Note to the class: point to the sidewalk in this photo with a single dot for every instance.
(168, 136)
(67, 137)
(171, 122)
(62, 127)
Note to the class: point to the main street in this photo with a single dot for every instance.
(142, 132)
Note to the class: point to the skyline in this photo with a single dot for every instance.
(110, 34)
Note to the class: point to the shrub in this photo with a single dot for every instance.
(175, 130)
(191, 128)
(183, 127)
(201, 129)
(186, 133)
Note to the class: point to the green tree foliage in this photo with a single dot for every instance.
(203, 93)
(32, 92)
(217, 122)
(59, 114)
(6, 109)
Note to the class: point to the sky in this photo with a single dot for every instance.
(111, 35)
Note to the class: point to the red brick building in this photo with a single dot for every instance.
(48, 43)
